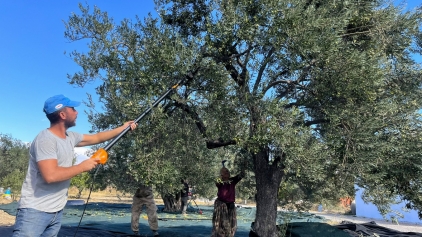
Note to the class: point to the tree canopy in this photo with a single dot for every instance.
(316, 94)
(13, 162)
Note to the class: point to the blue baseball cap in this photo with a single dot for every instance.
(58, 102)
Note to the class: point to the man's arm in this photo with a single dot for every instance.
(51, 172)
(92, 139)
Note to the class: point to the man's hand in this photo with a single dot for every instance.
(92, 139)
(88, 164)
(132, 125)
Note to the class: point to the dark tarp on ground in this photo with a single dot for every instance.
(84, 232)
(66, 231)
(310, 229)
(111, 219)
(116, 217)
(371, 228)
(313, 229)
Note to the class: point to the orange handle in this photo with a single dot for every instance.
(100, 154)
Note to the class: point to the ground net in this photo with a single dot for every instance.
(113, 219)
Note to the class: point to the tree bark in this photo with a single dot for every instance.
(171, 203)
(79, 192)
(268, 178)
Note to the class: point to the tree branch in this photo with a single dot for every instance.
(316, 121)
(211, 144)
(274, 83)
(198, 121)
(291, 82)
(261, 70)
(219, 143)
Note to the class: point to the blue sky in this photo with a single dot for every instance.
(33, 65)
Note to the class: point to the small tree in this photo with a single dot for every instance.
(13, 162)
(81, 182)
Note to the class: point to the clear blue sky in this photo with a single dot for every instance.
(33, 65)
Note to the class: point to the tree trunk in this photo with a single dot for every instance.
(268, 177)
(79, 192)
(171, 202)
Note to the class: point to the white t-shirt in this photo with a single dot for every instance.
(36, 193)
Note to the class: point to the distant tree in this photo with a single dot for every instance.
(315, 95)
(81, 182)
(13, 162)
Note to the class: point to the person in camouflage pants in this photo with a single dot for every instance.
(144, 196)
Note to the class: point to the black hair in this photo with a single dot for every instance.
(54, 117)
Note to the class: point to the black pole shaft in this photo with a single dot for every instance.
(110, 144)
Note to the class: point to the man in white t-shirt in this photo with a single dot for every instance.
(44, 190)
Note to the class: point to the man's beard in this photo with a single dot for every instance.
(69, 124)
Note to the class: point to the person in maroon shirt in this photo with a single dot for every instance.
(224, 222)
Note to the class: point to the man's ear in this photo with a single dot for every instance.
(62, 114)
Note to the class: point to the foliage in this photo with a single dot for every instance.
(13, 162)
(314, 95)
(81, 182)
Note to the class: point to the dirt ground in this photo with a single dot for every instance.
(5, 218)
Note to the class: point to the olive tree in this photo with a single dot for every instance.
(314, 95)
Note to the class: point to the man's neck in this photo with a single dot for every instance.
(58, 129)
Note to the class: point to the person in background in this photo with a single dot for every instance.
(184, 195)
(224, 222)
(44, 190)
(8, 194)
(144, 196)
